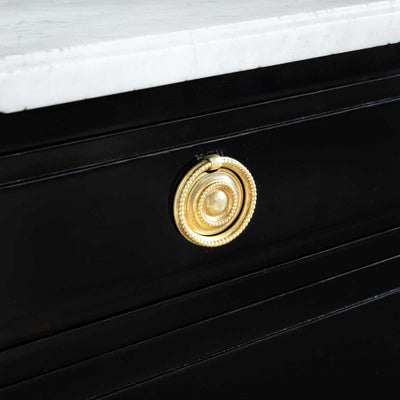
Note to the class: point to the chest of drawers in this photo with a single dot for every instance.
(103, 297)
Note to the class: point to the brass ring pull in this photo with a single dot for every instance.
(215, 201)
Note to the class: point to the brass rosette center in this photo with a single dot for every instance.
(215, 201)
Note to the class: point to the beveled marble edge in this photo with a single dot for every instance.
(44, 78)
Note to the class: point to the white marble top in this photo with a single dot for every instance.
(53, 52)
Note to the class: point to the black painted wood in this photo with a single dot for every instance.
(23, 166)
(217, 338)
(352, 353)
(80, 246)
(35, 358)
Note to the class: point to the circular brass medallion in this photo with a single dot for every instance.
(215, 201)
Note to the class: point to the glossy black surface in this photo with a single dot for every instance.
(216, 349)
(123, 146)
(86, 245)
(35, 358)
(354, 353)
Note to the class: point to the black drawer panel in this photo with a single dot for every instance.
(349, 321)
(92, 243)
(354, 352)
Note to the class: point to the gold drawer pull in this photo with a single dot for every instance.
(215, 201)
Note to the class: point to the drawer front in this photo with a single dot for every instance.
(362, 357)
(346, 325)
(97, 241)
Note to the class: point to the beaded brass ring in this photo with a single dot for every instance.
(215, 201)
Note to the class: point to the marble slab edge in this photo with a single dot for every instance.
(62, 75)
